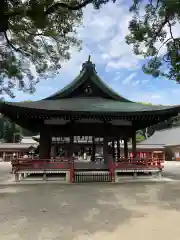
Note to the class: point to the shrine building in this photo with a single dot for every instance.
(86, 107)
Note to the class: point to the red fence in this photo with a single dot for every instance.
(29, 164)
(47, 164)
(136, 163)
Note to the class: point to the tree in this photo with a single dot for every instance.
(148, 132)
(9, 131)
(145, 133)
(139, 136)
(36, 36)
(151, 31)
(27, 133)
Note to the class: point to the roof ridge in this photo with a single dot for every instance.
(88, 72)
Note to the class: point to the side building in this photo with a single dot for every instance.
(169, 139)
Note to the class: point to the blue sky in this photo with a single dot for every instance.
(103, 35)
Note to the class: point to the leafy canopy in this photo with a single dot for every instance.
(152, 36)
(36, 36)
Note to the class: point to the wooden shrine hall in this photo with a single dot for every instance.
(85, 107)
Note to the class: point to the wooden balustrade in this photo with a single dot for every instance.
(68, 163)
(134, 163)
(43, 164)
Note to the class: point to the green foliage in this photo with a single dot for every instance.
(139, 137)
(27, 133)
(36, 37)
(148, 104)
(147, 132)
(151, 29)
(10, 132)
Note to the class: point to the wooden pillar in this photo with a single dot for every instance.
(44, 144)
(105, 149)
(53, 151)
(113, 150)
(125, 148)
(70, 147)
(93, 149)
(118, 149)
(134, 144)
(4, 156)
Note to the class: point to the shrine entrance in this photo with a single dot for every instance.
(84, 148)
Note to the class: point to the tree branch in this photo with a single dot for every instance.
(157, 5)
(51, 9)
(34, 34)
(167, 40)
(64, 5)
(13, 47)
(170, 29)
(161, 27)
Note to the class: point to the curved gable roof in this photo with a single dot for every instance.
(87, 74)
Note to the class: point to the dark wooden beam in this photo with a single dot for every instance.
(134, 144)
(113, 150)
(97, 130)
(126, 148)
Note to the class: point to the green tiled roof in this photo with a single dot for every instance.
(86, 105)
(74, 99)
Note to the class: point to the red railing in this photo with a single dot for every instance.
(36, 164)
(136, 163)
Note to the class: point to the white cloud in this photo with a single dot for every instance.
(103, 34)
(128, 79)
(107, 29)
(155, 96)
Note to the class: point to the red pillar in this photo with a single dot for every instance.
(112, 167)
(72, 172)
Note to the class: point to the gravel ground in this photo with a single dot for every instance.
(89, 211)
